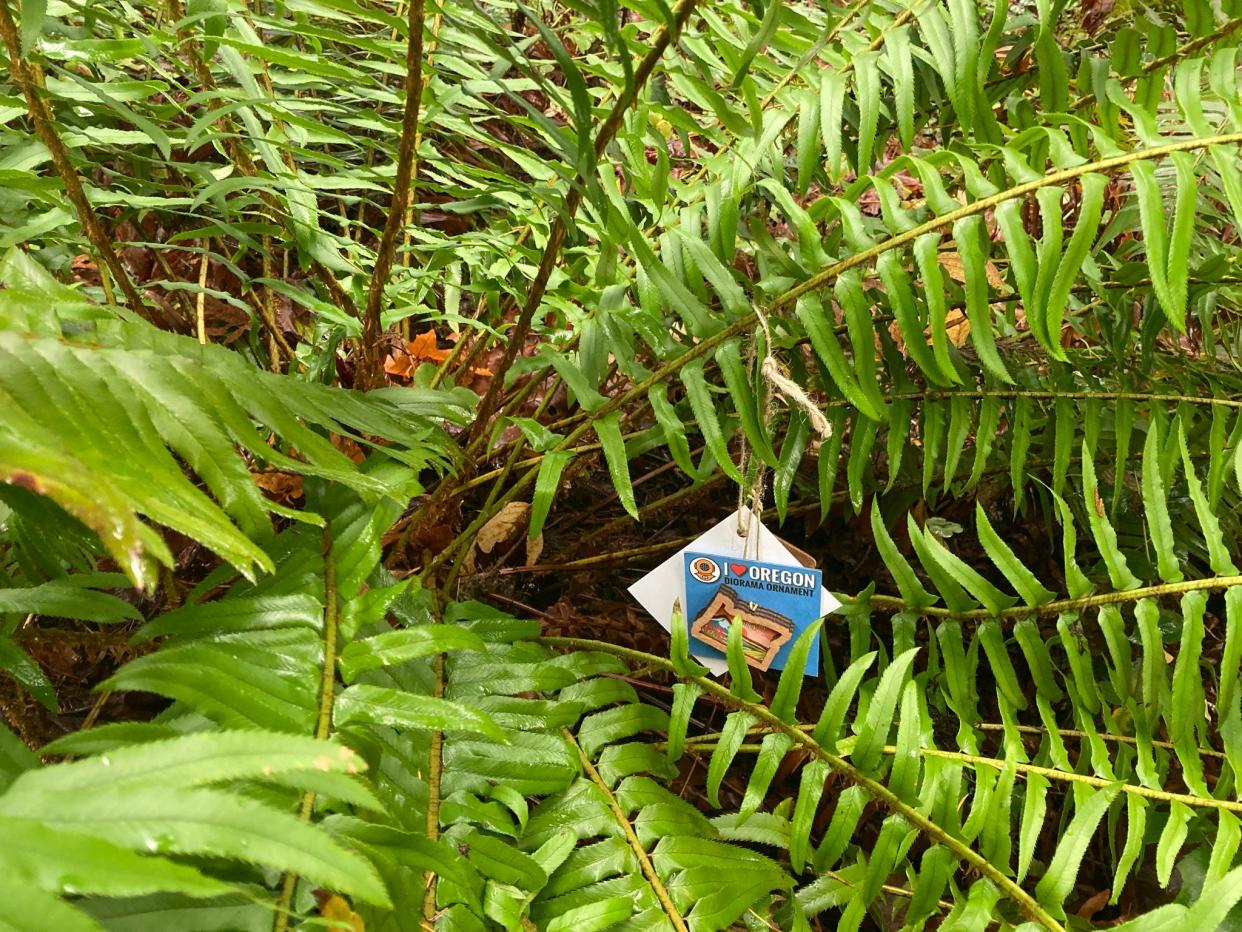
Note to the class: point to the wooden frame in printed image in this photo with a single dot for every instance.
(764, 632)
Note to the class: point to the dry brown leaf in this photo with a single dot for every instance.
(503, 527)
(423, 348)
(957, 326)
(1094, 903)
(951, 262)
(280, 486)
(534, 549)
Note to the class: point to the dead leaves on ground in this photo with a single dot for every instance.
(957, 326)
(504, 529)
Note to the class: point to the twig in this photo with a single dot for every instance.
(371, 364)
(45, 126)
(200, 300)
(435, 768)
(556, 236)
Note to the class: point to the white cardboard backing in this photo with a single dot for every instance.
(665, 585)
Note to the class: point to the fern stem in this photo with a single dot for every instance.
(1104, 736)
(836, 269)
(943, 394)
(895, 604)
(435, 768)
(818, 280)
(24, 76)
(847, 68)
(1183, 51)
(371, 363)
(944, 905)
(560, 226)
(1202, 802)
(708, 740)
(323, 717)
(240, 158)
(876, 790)
(942, 221)
(822, 42)
(644, 861)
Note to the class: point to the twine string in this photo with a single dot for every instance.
(773, 382)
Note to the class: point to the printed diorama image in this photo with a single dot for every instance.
(764, 631)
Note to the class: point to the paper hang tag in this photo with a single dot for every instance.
(665, 586)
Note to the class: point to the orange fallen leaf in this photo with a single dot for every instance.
(335, 909)
(421, 349)
(280, 486)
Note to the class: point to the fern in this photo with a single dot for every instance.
(997, 246)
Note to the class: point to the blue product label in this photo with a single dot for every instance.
(775, 604)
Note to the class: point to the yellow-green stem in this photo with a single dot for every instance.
(631, 838)
(873, 788)
(323, 717)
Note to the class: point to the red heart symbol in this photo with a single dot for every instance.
(738, 568)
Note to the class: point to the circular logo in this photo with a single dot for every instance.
(704, 570)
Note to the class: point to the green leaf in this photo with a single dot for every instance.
(963, 574)
(970, 235)
(78, 864)
(593, 917)
(741, 389)
(611, 725)
(873, 735)
(705, 416)
(767, 28)
(608, 429)
(236, 912)
(33, 12)
(394, 647)
(377, 705)
(912, 591)
(1172, 837)
(810, 314)
(63, 598)
(1068, 268)
(785, 702)
(547, 482)
(831, 720)
(160, 819)
(1213, 537)
(236, 614)
(1102, 529)
(810, 790)
(28, 909)
(731, 738)
(1000, 553)
(1156, 508)
(22, 667)
(674, 430)
(1058, 881)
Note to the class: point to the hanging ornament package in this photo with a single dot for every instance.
(738, 570)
